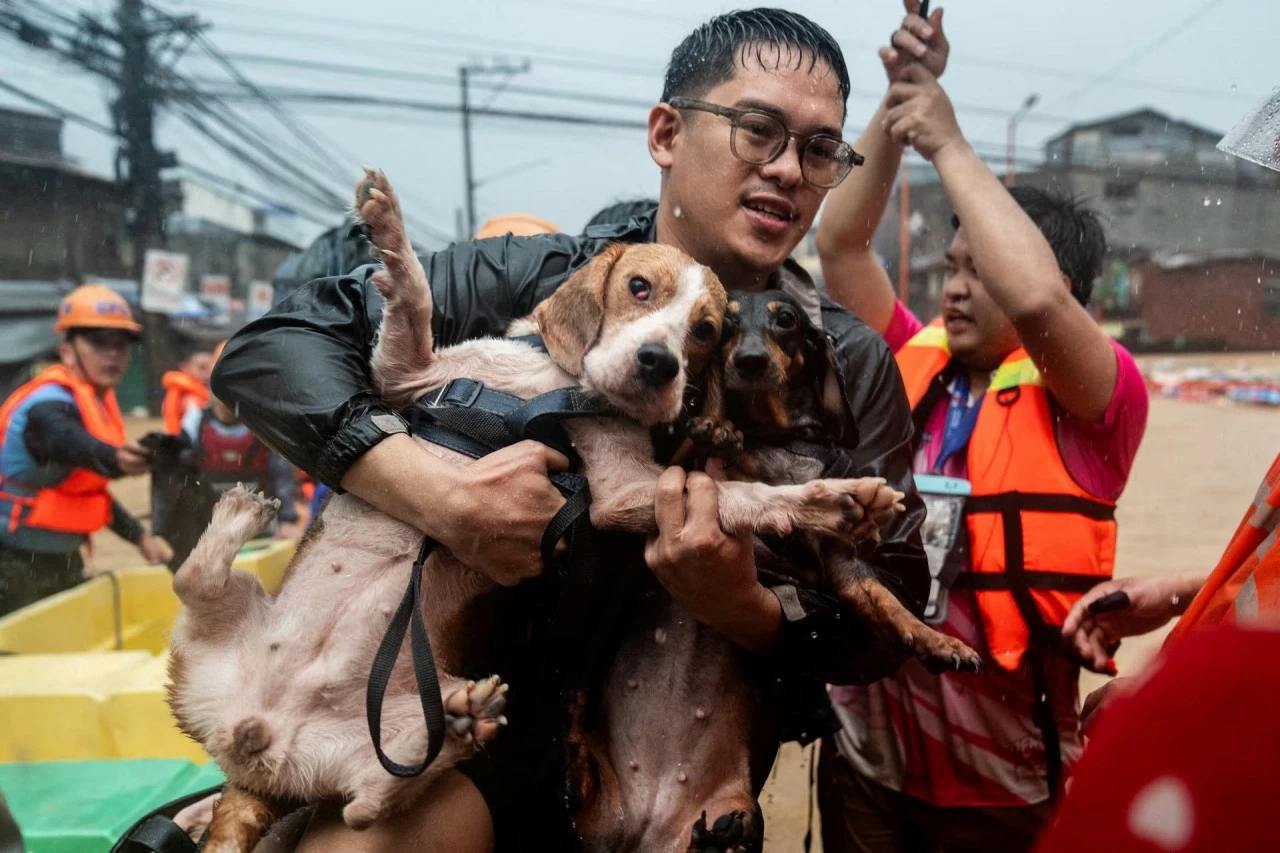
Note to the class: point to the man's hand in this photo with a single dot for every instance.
(499, 509)
(709, 574)
(131, 458)
(920, 113)
(155, 550)
(918, 40)
(1102, 616)
(1101, 697)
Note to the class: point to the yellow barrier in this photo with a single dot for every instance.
(51, 705)
(137, 717)
(84, 619)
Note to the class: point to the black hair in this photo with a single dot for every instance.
(187, 349)
(712, 54)
(1074, 233)
(620, 212)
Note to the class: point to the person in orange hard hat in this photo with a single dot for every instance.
(187, 387)
(62, 440)
(517, 225)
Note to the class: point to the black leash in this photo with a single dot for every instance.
(408, 618)
(474, 420)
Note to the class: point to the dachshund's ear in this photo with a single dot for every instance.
(570, 319)
(827, 383)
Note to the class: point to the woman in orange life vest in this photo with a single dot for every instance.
(187, 387)
(62, 440)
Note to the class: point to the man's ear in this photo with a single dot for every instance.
(664, 127)
(570, 319)
(67, 354)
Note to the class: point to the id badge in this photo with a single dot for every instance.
(943, 535)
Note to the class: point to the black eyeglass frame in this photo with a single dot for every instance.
(735, 116)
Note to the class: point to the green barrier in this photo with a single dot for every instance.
(85, 806)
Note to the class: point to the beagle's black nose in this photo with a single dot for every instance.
(751, 362)
(656, 364)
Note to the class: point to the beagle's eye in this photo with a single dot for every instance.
(705, 331)
(785, 320)
(640, 289)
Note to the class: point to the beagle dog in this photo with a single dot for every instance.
(275, 687)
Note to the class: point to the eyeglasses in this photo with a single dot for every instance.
(759, 138)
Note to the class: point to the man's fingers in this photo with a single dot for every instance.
(555, 460)
(704, 499)
(1110, 602)
(908, 43)
(918, 27)
(668, 507)
(915, 72)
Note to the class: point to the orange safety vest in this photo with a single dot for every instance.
(80, 503)
(1245, 585)
(180, 391)
(1037, 540)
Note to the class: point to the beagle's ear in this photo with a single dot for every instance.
(570, 319)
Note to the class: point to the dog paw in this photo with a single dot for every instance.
(730, 833)
(940, 653)
(378, 207)
(717, 437)
(473, 714)
(241, 504)
(852, 510)
(362, 812)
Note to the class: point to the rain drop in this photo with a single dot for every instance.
(813, 635)
(659, 636)
(678, 212)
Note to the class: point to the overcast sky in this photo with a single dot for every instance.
(1204, 62)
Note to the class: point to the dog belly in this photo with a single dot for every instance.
(301, 670)
(675, 733)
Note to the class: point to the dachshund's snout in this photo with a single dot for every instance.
(656, 365)
(751, 362)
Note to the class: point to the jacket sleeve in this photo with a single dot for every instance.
(820, 634)
(300, 379)
(55, 435)
(124, 525)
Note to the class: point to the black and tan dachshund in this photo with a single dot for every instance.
(784, 406)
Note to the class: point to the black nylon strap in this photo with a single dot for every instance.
(156, 834)
(1039, 502)
(407, 618)
(1059, 581)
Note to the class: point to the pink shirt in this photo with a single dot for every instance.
(961, 740)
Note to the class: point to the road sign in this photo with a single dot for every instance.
(164, 280)
(261, 295)
(216, 290)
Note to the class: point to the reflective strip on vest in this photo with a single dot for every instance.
(80, 503)
(1037, 540)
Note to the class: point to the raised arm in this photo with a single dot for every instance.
(1014, 260)
(850, 269)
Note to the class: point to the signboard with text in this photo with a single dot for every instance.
(261, 295)
(216, 290)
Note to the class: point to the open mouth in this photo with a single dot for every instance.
(774, 211)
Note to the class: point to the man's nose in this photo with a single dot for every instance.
(785, 170)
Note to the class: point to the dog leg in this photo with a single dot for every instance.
(210, 590)
(240, 819)
(404, 346)
(473, 717)
(881, 609)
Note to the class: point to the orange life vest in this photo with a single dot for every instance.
(1245, 585)
(180, 391)
(80, 503)
(1037, 540)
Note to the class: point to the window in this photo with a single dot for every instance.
(1271, 298)
(1121, 190)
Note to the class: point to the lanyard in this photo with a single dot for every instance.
(961, 419)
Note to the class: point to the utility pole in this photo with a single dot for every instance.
(464, 80)
(1011, 167)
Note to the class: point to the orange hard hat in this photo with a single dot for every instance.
(95, 306)
(518, 224)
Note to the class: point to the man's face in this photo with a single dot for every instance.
(199, 366)
(737, 217)
(101, 356)
(979, 333)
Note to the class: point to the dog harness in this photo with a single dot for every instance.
(469, 418)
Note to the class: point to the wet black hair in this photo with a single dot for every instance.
(620, 212)
(1073, 231)
(712, 54)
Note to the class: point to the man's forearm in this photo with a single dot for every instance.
(1015, 261)
(753, 623)
(406, 482)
